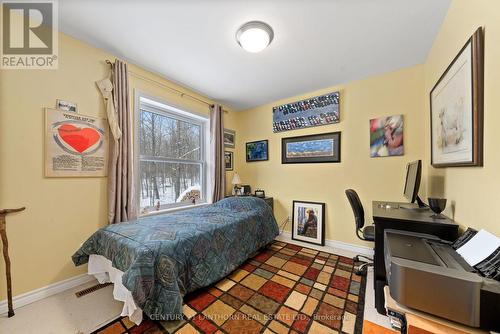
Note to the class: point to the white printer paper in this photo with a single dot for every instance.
(479, 247)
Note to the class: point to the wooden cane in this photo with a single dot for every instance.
(5, 242)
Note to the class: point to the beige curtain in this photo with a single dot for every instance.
(121, 191)
(217, 149)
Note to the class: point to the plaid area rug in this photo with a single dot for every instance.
(283, 289)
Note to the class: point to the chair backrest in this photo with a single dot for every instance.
(357, 208)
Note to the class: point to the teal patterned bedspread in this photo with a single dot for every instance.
(164, 257)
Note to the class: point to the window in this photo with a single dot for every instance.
(172, 164)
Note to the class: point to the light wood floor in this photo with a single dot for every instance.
(371, 328)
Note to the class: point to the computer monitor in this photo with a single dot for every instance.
(412, 183)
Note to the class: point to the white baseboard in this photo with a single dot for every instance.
(44, 292)
(333, 245)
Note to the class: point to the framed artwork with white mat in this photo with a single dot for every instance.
(308, 222)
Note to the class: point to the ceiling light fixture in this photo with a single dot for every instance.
(254, 36)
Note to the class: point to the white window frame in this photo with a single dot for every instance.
(164, 108)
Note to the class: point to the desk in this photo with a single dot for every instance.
(398, 218)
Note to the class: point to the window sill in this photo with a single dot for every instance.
(171, 210)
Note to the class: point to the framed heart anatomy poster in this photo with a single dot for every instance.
(75, 145)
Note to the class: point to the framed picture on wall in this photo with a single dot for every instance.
(457, 109)
(229, 138)
(75, 145)
(66, 106)
(386, 136)
(308, 222)
(257, 151)
(314, 111)
(323, 147)
(228, 160)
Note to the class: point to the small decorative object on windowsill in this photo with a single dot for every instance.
(191, 194)
(236, 184)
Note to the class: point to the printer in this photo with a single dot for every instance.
(428, 274)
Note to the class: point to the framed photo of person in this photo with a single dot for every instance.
(457, 109)
(308, 222)
(257, 151)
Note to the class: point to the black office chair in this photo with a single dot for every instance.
(366, 233)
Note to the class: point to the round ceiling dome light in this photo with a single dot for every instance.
(254, 36)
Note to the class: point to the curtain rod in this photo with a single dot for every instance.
(181, 93)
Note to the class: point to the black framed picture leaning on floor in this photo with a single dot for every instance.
(308, 222)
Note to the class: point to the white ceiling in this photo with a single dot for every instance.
(316, 43)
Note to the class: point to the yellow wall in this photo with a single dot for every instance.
(473, 193)
(374, 178)
(61, 212)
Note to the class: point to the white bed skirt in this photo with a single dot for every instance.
(104, 272)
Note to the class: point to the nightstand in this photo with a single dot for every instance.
(269, 201)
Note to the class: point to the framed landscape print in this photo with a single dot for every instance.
(457, 109)
(229, 138)
(386, 136)
(323, 147)
(257, 151)
(308, 222)
(75, 145)
(228, 160)
(315, 111)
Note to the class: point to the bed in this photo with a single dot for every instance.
(158, 259)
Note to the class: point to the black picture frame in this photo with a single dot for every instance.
(228, 155)
(335, 157)
(476, 44)
(252, 158)
(320, 240)
(314, 111)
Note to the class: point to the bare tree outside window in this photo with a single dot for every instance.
(171, 162)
